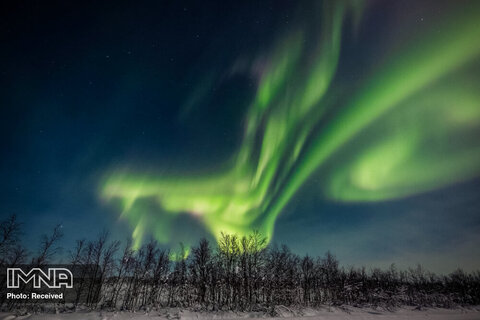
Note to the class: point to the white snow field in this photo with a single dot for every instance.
(306, 314)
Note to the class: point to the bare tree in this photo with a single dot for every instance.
(10, 230)
(48, 248)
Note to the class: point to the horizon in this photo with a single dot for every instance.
(62, 254)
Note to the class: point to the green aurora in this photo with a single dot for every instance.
(406, 129)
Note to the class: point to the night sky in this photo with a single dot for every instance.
(347, 126)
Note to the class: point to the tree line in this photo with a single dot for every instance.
(235, 273)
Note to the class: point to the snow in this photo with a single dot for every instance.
(304, 314)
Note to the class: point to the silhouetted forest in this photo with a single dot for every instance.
(237, 273)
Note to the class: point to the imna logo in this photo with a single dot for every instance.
(54, 278)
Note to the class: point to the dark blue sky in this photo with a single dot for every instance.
(88, 86)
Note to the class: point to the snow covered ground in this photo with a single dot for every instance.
(310, 314)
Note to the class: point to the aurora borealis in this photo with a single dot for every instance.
(274, 158)
(323, 113)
